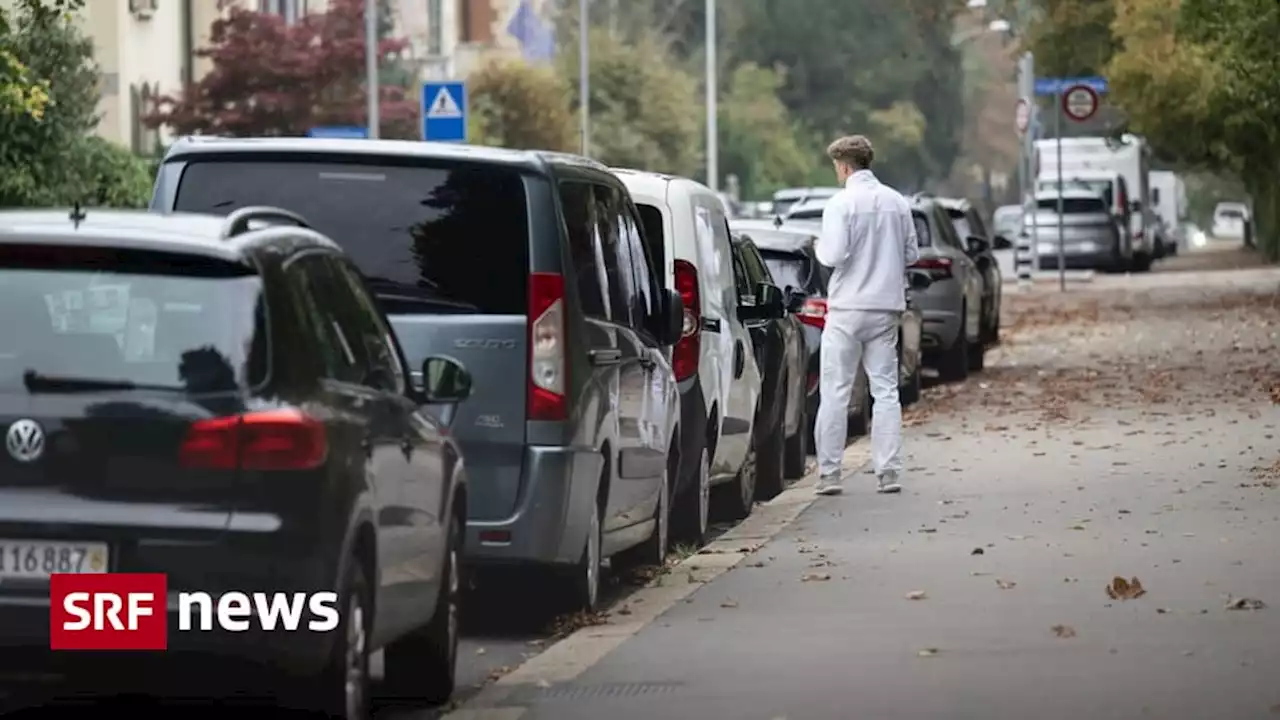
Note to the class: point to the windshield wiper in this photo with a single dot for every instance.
(36, 382)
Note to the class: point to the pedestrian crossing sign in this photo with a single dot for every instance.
(444, 106)
(444, 111)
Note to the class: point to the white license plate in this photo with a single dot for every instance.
(38, 559)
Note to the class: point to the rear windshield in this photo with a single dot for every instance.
(789, 269)
(1104, 188)
(1073, 205)
(923, 237)
(73, 317)
(651, 219)
(430, 239)
(1230, 213)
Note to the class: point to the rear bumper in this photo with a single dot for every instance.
(939, 329)
(1083, 261)
(552, 515)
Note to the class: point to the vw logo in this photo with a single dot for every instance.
(25, 440)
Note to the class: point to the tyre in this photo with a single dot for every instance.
(733, 501)
(580, 582)
(342, 688)
(692, 511)
(909, 394)
(977, 356)
(769, 468)
(795, 454)
(421, 667)
(1141, 263)
(653, 551)
(953, 364)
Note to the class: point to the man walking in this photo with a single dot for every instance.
(868, 239)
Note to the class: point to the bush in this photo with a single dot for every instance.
(517, 105)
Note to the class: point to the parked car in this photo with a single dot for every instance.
(688, 235)
(530, 267)
(979, 243)
(787, 250)
(952, 304)
(807, 209)
(1091, 236)
(786, 198)
(1006, 223)
(1229, 220)
(778, 341)
(227, 395)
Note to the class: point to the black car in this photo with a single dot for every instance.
(222, 402)
(969, 225)
(778, 339)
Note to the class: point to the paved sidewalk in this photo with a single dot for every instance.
(1118, 434)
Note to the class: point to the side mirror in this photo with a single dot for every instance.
(1002, 242)
(977, 245)
(768, 304)
(444, 380)
(795, 299)
(1135, 206)
(672, 320)
(919, 280)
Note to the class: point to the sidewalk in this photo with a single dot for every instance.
(1110, 438)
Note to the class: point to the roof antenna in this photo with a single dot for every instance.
(77, 215)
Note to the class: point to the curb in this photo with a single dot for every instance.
(570, 657)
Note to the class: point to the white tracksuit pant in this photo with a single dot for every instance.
(851, 336)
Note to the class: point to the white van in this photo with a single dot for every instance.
(1228, 221)
(687, 229)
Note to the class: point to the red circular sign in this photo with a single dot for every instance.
(1079, 102)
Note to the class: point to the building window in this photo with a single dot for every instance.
(290, 10)
(435, 27)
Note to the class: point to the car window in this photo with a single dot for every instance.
(741, 281)
(578, 202)
(374, 333)
(947, 235)
(648, 299)
(311, 286)
(960, 223)
(788, 269)
(417, 232)
(617, 257)
(655, 238)
(976, 224)
(164, 320)
(757, 272)
(924, 236)
(1073, 205)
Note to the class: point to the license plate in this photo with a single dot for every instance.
(38, 559)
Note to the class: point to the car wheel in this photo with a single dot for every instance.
(653, 551)
(421, 667)
(586, 574)
(734, 501)
(795, 455)
(693, 506)
(977, 356)
(342, 688)
(909, 394)
(769, 470)
(1141, 263)
(953, 364)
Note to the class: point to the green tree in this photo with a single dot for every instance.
(641, 114)
(1072, 38)
(518, 105)
(23, 91)
(758, 141)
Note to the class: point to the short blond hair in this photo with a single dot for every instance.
(852, 150)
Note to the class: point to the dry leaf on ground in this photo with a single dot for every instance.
(1005, 584)
(729, 604)
(916, 595)
(1245, 604)
(815, 577)
(1064, 631)
(928, 652)
(1121, 589)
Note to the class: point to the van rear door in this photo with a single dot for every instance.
(445, 248)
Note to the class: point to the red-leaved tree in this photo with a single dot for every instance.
(270, 78)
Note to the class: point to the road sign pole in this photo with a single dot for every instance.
(1029, 156)
(1057, 131)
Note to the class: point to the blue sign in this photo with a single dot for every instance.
(339, 133)
(1057, 86)
(444, 111)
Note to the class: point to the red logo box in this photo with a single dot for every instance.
(108, 611)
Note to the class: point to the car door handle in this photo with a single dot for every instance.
(739, 361)
(606, 356)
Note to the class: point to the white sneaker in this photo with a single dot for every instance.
(888, 483)
(829, 485)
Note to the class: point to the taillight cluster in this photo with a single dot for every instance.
(684, 357)
(547, 382)
(283, 439)
(813, 313)
(938, 268)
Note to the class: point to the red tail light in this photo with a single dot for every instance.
(938, 268)
(269, 440)
(814, 313)
(546, 347)
(685, 355)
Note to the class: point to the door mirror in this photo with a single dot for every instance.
(977, 245)
(919, 280)
(768, 305)
(1002, 242)
(444, 380)
(795, 299)
(672, 320)
(1135, 206)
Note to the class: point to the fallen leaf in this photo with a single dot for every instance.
(928, 652)
(543, 684)
(1163, 611)
(916, 595)
(1064, 631)
(624, 610)
(978, 551)
(815, 577)
(1005, 584)
(729, 604)
(1245, 604)
(1121, 589)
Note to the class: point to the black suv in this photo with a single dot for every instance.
(222, 402)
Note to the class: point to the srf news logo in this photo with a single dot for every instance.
(130, 611)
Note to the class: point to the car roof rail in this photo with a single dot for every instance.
(238, 221)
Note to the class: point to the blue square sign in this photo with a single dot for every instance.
(444, 111)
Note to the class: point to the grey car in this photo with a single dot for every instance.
(531, 269)
(952, 304)
(1091, 237)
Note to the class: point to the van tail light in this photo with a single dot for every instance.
(284, 439)
(546, 347)
(685, 355)
(938, 268)
(813, 313)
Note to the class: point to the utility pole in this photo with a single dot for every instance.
(713, 131)
(372, 85)
(584, 76)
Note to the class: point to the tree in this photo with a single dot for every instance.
(514, 104)
(758, 141)
(22, 90)
(641, 113)
(270, 78)
(1072, 38)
